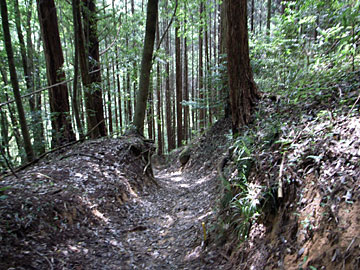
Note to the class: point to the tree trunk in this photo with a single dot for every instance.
(38, 144)
(186, 91)
(146, 63)
(85, 76)
(243, 91)
(128, 106)
(179, 117)
(252, 15)
(223, 59)
(58, 95)
(75, 97)
(159, 99)
(201, 74)
(268, 17)
(14, 81)
(37, 121)
(90, 22)
(118, 90)
(170, 134)
(13, 119)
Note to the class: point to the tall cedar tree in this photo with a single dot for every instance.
(146, 62)
(243, 91)
(159, 121)
(14, 81)
(201, 72)
(75, 96)
(92, 41)
(178, 64)
(84, 67)
(62, 132)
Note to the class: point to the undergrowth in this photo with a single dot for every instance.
(298, 74)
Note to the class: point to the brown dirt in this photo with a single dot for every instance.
(92, 207)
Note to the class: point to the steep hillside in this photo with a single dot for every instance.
(295, 205)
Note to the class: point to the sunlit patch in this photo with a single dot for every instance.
(201, 180)
(99, 215)
(193, 254)
(205, 215)
(176, 177)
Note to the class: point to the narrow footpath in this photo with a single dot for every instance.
(164, 228)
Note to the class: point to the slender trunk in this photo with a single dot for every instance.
(118, 89)
(260, 16)
(201, 74)
(193, 97)
(252, 15)
(115, 96)
(186, 92)
(14, 121)
(179, 117)
(128, 83)
(159, 100)
(146, 63)
(208, 113)
(85, 76)
(268, 17)
(168, 118)
(14, 81)
(223, 60)
(90, 21)
(5, 142)
(75, 96)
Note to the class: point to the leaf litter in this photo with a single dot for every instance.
(96, 206)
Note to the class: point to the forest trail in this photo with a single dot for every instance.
(94, 206)
(164, 228)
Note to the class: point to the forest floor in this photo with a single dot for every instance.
(91, 206)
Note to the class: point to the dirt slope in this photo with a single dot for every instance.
(312, 148)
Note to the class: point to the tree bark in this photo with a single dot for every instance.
(146, 63)
(179, 117)
(268, 17)
(90, 22)
(75, 97)
(37, 121)
(13, 119)
(58, 95)
(201, 74)
(252, 15)
(159, 99)
(186, 91)
(243, 91)
(223, 59)
(14, 81)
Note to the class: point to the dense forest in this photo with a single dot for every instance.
(261, 97)
(77, 70)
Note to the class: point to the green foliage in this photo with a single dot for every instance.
(2, 189)
(309, 51)
(242, 197)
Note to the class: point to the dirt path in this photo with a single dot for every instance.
(83, 210)
(164, 228)
(160, 229)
